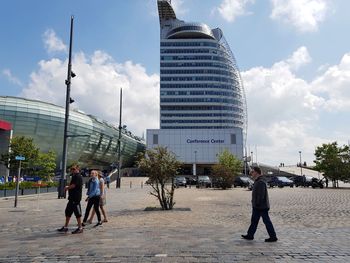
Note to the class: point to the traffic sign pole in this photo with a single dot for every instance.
(17, 182)
(18, 158)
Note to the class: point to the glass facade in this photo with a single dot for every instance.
(91, 142)
(200, 84)
(202, 100)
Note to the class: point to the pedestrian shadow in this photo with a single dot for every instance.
(175, 209)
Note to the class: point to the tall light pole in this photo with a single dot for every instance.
(245, 161)
(195, 166)
(301, 168)
(7, 174)
(70, 74)
(119, 138)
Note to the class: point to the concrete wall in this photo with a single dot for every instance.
(198, 146)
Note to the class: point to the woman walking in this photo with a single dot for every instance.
(102, 199)
(93, 199)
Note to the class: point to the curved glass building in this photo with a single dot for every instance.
(201, 91)
(92, 142)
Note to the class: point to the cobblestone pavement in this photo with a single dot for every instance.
(313, 225)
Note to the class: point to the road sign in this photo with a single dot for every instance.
(20, 158)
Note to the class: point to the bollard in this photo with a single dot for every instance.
(130, 184)
(141, 184)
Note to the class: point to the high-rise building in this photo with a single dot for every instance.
(202, 100)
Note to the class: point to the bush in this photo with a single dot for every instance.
(26, 185)
(8, 186)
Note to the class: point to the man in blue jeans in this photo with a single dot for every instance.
(261, 206)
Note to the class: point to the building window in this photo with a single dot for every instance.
(233, 138)
(155, 138)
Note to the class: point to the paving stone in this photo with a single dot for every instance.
(206, 225)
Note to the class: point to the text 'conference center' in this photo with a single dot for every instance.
(202, 100)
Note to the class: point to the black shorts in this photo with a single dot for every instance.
(73, 207)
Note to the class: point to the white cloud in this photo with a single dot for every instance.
(52, 43)
(299, 58)
(305, 15)
(334, 85)
(8, 74)
(96, 89)
(231, 9)
(178, 7)
(287, 114)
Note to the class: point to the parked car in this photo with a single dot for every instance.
(243, 181)
(204, 181)
(280, 181)
(180, 181)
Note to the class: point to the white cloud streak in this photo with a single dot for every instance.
(231, 9)
(178, 7)
(52, 43)
(12, 79)
(304, 15)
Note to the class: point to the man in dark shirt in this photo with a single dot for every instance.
(74, 197)
(261, 206)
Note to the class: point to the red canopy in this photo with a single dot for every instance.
(5, 125)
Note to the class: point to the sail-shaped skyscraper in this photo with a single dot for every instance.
(202, 100)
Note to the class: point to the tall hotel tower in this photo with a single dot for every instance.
(202, 100)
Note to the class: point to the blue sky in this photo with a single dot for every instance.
(294, 57)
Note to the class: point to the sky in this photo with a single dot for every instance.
(294, 57)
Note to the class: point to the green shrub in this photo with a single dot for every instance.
(8, 186)
(26, 185)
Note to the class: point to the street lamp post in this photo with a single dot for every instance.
(119, 139)
(301, 169)
(7, 174)
(70, 74)
(195, 166)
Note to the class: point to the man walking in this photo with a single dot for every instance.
(261, 206)
(74, 197)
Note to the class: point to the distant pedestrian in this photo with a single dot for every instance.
(103, 199)
(108, 180)
(261, 206)
(326, 182)
(93, 198)
(74, 197)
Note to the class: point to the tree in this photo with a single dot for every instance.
(333, 161)
(161, 166)
(21, 146)
(46, 165)
(227, 169)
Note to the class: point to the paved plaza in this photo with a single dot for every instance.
(312, 225)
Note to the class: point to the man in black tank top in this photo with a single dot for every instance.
(74, 189)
